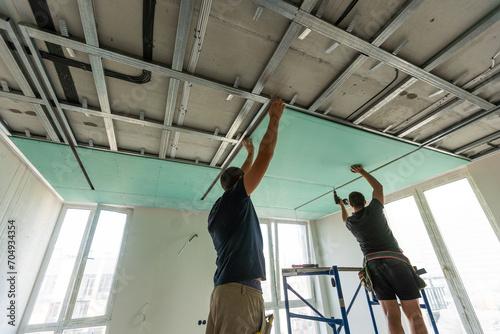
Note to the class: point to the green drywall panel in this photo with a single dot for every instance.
(311, 157)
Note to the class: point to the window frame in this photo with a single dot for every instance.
(460, 296)
(276, 283)
(64, 320)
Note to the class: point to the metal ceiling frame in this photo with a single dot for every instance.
(279, 53)
(300, 19)
(429, 116)
(183, 26)
(127, 119)
(131, 60)
(356, 43)
(23, 83)
(390, 27)
(477, 143)
(447, 98)
(200, 32)
(86, 10)
(66, 130)
(8, 25)
(449, 51)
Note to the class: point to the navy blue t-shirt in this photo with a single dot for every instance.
(369, 226)
(235, 231)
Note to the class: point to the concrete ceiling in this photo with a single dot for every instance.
(451, 47)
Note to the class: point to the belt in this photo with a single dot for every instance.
(387, 255)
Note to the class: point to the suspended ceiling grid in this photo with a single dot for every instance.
(266, 55)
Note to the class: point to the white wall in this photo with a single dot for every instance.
(35, 208)
(177, 288)
(486, 176)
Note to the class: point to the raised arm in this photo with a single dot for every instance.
(266, 149)
(378, 189)
(248, 144)
(345, 215)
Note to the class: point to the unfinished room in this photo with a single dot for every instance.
(249, 166)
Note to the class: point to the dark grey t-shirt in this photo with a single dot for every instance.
(237, 238)
(369, 226)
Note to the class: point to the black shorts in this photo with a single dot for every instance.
(391, 278)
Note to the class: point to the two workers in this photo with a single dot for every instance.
(236, 303)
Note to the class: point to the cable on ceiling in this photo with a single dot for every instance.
(364, 104)
(346, 12)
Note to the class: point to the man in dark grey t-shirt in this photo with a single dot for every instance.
(236, 304)
(389, 270)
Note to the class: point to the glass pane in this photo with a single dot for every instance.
(55, 282)
(473, 245)
(299, 326)
(266, 285)
(292, 243)
(95, 285)
(408, 228)
(88, 330)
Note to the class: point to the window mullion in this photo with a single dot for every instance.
(457, 289)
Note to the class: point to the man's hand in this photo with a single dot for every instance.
(357, 169)
(248, 144)
(276, 110)
(378, 190)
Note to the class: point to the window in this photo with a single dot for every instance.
(473, 246)
(78, 272)
(442, 227)
(287, 243)
(409, 230)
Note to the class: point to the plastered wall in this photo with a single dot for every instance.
(25, 199)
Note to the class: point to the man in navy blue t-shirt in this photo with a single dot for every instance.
(236, 304)
(390, 271)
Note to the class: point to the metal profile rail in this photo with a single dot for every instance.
(127, 59)
(181, 38)
(90, 31)
(336, 324)
(450, 50)
(30, 68)
(201, 29)
(96, 112)
(395, 22)
(18, 74)
(271, 66)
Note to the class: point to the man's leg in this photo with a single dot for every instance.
(393, 316)
(411, 309)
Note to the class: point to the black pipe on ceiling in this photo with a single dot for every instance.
(143, 78)
(42, 15)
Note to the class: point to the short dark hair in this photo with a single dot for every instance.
(357, 199)
(230, 176)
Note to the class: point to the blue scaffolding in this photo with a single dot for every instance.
(336, 324)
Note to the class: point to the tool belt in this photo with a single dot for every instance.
(267, 324)
(364, 275)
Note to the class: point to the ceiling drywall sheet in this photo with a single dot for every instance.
(311, 157)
